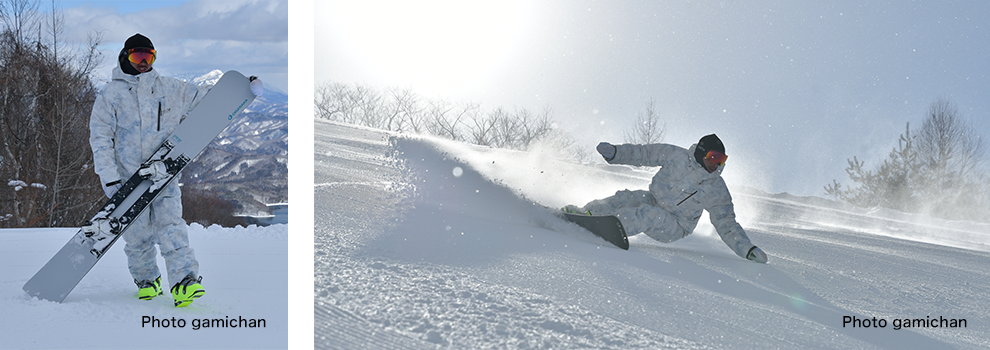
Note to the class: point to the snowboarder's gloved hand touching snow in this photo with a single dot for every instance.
(606, 150)
(757, 255)
(257, 88)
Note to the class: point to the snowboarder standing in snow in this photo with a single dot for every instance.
(132, 116)
(689, 181)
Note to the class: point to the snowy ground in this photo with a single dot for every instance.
(244, 273)
(428, 244)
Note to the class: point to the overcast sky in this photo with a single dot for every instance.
(189, 36)
(792, 88)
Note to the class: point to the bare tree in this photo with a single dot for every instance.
(358, 105)
(649, 127)
(940, 171)
(438, 115)
(332, 102)
(444, 119)
(482, 131)
(370, 107)
(19, 17)
(44, 130)
(402, 111)
(506, 131)
(947, 145)
(950, 156)
(534, 127)
(66, 97)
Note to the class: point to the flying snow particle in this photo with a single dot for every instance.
(458, 171)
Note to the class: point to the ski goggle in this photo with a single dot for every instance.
(716, 157)
(141, 54)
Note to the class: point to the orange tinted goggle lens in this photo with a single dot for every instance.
(138, 55)
(716, 157)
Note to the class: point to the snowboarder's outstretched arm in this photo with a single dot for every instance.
(723, 217)
(639, 155)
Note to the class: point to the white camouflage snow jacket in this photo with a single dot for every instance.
(683, 188)
(132, 116)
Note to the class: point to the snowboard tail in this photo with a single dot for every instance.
(225, 100)
(607, 227)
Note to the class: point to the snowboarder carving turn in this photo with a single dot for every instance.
(131, 117)
(689, 181)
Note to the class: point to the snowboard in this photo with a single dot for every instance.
(607, 227)
(225, 100)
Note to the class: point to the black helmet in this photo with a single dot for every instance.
(138, 41)
(708, 143)
(135, 41)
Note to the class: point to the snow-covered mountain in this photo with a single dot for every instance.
(210, 78)
(432, 244)
(249, 160)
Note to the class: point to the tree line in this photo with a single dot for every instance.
(939, 169)
(402, 110)
(46, 95)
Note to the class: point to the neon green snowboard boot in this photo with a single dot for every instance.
(183, 293)
(573, 209)
(148, 290)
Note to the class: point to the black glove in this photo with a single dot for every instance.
(607, 150)
(757, 255)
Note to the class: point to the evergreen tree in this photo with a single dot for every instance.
(938, 172)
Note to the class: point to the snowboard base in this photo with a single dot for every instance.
(607, 227)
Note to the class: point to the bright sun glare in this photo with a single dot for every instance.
(439, 47)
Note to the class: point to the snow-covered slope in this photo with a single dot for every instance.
(424, 243)
(244, 273)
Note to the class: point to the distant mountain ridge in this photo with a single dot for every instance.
(247, 163)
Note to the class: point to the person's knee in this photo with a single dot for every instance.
(664, 228)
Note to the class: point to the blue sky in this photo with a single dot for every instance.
(191, 37)
(793, 88)
(123, 6)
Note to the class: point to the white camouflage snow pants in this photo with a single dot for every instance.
(160, 224)
(638, 212)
